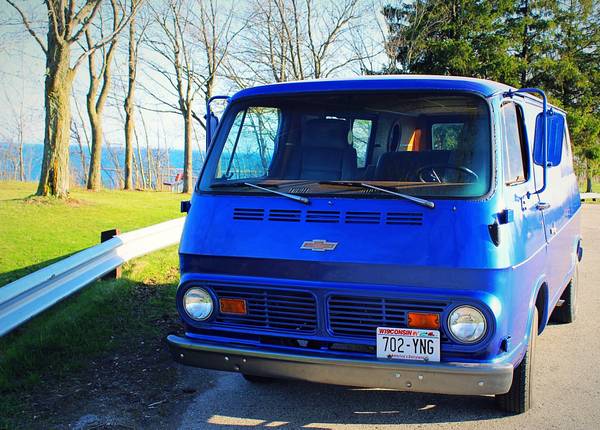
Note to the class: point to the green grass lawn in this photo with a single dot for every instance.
(104, 316)
(35, 232)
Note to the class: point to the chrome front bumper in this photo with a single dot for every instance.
(443, 378)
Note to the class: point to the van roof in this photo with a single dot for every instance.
(483, 87)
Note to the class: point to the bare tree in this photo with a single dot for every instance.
(99, 86)
(177, 50)
(129, 103)
(9, 158)
(190, 48)
(16, 143)
(215, 33)
(67, 23)
(80, 134)
(293, 40)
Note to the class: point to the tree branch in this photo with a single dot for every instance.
(108, 39)
(85, 14)
(28, 25)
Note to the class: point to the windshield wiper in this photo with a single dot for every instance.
(262, 188)
(417, 200)
(279, 193)
(233, 184)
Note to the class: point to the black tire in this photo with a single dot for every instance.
(518, 399)
(257, 379)
(568, 311)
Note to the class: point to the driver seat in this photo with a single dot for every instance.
(324, 152)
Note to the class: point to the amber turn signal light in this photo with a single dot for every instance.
(422, 320)
(232, 306)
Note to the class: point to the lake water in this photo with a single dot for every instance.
(164, 164)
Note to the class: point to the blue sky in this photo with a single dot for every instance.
(22, 81)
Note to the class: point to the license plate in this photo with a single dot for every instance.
(408, 344)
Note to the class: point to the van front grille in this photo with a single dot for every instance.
(359, 316)
(267, 308)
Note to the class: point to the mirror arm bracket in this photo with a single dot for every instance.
(541, 93)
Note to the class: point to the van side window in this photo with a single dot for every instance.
(567, 159)
(361, 134)
(515, 152)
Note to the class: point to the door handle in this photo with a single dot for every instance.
(542, 206)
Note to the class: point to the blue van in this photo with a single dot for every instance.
(406, 232)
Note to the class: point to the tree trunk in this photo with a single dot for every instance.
(525, 48)
(129, 108)
(21, 162)
(54, 177)
(187, 161)
(129, 127)
(95, 175)
(588, 185)
(210, 86)
(140, 176)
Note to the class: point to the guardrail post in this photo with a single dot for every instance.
(104, 236)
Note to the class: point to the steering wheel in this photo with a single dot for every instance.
(434, 177)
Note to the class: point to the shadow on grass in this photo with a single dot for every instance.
(13, 275)
(89, 321)
(64, 340)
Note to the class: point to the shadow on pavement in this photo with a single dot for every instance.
(236, 403)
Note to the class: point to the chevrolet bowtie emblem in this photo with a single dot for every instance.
(318, 245)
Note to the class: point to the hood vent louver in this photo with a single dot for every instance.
(323, 216)
(249, 214)
(284, 215)
(363, 218)
(329, 217)
(404, 218)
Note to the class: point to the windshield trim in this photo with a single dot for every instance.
(241, 103)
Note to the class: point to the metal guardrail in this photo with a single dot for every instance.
(590, 196)
(32, 294)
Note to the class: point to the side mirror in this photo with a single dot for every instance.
(211, 125)
(211, 119)
(555, 124)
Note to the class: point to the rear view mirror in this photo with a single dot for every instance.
(555, 123)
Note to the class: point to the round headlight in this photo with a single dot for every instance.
(467, 324)
(198, 304)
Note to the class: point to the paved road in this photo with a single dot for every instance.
(567, 385)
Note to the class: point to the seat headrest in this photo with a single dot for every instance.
(394, 137)
(326, 133)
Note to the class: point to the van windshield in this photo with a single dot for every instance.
(425, 144)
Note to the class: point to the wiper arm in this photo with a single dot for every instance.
(262, 188)
(279, 193)
(233, 184)
(229, 184)
(417, 200)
